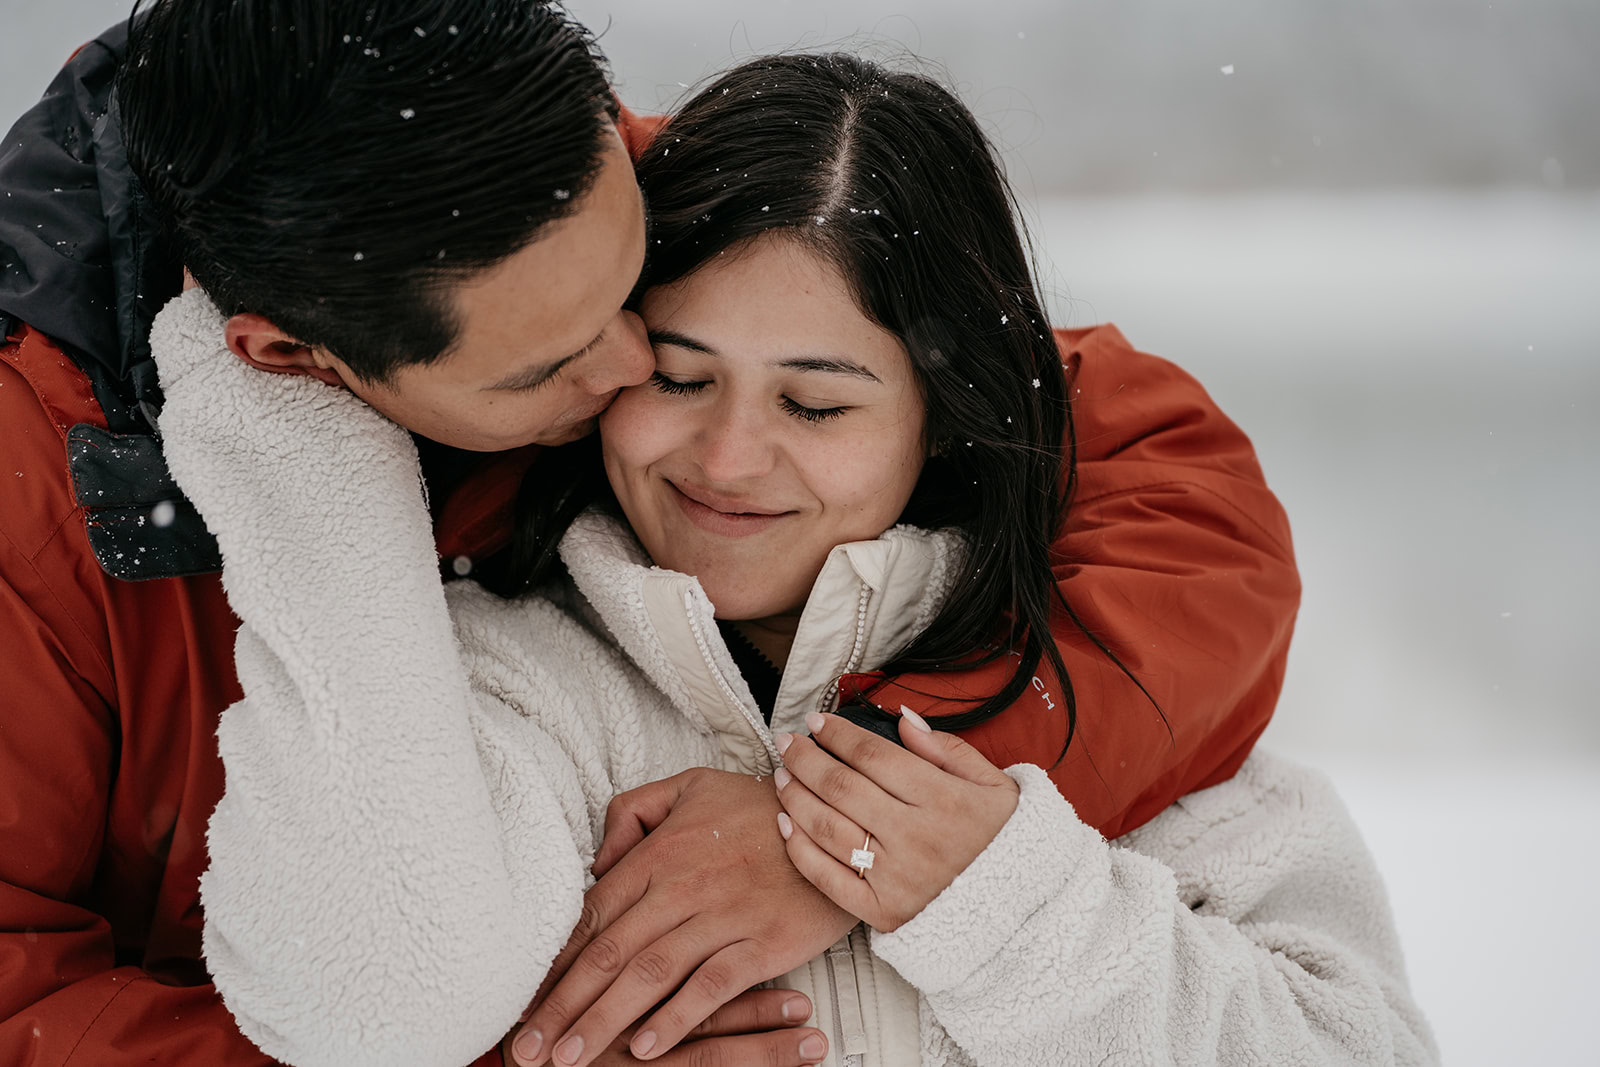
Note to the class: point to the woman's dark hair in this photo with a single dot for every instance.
(887, 176)
(337, 166)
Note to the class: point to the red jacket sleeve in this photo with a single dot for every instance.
(87, 979)
(1178, 557)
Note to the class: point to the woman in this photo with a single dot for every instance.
(411, 806)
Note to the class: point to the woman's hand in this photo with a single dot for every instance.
(930, 809)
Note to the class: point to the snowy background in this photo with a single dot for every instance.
(1372, 228)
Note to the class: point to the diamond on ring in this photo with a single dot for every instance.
(861, 858)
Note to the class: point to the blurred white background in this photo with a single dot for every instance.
(1372, 228)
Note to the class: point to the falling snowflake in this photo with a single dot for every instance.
(408, 113)
(164, 514)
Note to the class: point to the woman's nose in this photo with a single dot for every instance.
(734, 443)
(625, 357)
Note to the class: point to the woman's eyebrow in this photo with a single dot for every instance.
(825, 364)
(678, 340)
(829, 365)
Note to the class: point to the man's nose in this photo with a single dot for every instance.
(625, 358)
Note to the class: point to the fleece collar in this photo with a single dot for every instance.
(868, 603)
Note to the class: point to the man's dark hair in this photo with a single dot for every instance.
(338, 166)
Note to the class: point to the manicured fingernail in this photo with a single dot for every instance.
(782, 777)
(782, 742)
(813, 721)
(916, 720)
(528, 1044)
(570, 1049)
(796, 1008)
(813, 1047)
(785, 827)
(643, 1043)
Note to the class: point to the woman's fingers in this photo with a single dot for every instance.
(837, 835)
(839, 883)
(946, 751)
(756, 1011)
(899, 774)
(840, 784)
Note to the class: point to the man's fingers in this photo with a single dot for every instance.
(645, 980)
(714, 983)
(603, 905)
(785, 1048)
(599, 950)
(755, 1011)
(632, 815)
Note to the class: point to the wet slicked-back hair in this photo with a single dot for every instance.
(888, 176)
(338, 165)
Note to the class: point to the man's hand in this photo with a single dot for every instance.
(696, 891)
(761, 1026)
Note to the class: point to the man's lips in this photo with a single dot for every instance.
(723, 515)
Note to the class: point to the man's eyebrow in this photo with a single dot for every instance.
(825, 364)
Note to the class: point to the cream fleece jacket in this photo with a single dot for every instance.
(416, 783)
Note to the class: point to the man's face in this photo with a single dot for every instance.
(544, 343)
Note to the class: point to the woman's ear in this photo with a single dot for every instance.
(254, 339)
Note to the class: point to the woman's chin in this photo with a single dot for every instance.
(742, 603)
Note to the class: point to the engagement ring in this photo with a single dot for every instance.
(861, 859)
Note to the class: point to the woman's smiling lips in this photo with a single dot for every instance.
(724, 516)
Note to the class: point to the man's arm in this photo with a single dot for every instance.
(64, 998)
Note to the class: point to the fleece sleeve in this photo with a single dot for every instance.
(367, 901)
(1274, 946)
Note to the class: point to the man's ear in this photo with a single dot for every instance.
(259, 343)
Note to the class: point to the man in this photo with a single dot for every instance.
(434, 208)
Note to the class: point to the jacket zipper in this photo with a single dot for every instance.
(842, 955)
(829, 699)
(763, 734)
(830, 695)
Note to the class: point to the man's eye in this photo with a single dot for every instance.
(812, 414)
(673, 387)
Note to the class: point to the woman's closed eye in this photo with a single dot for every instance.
(812, 414)
(675, 387)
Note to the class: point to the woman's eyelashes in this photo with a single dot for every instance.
(812, 414)
(674, 387)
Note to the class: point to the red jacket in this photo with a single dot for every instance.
(110, 690)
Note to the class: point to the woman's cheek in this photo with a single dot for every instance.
(633, 419)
